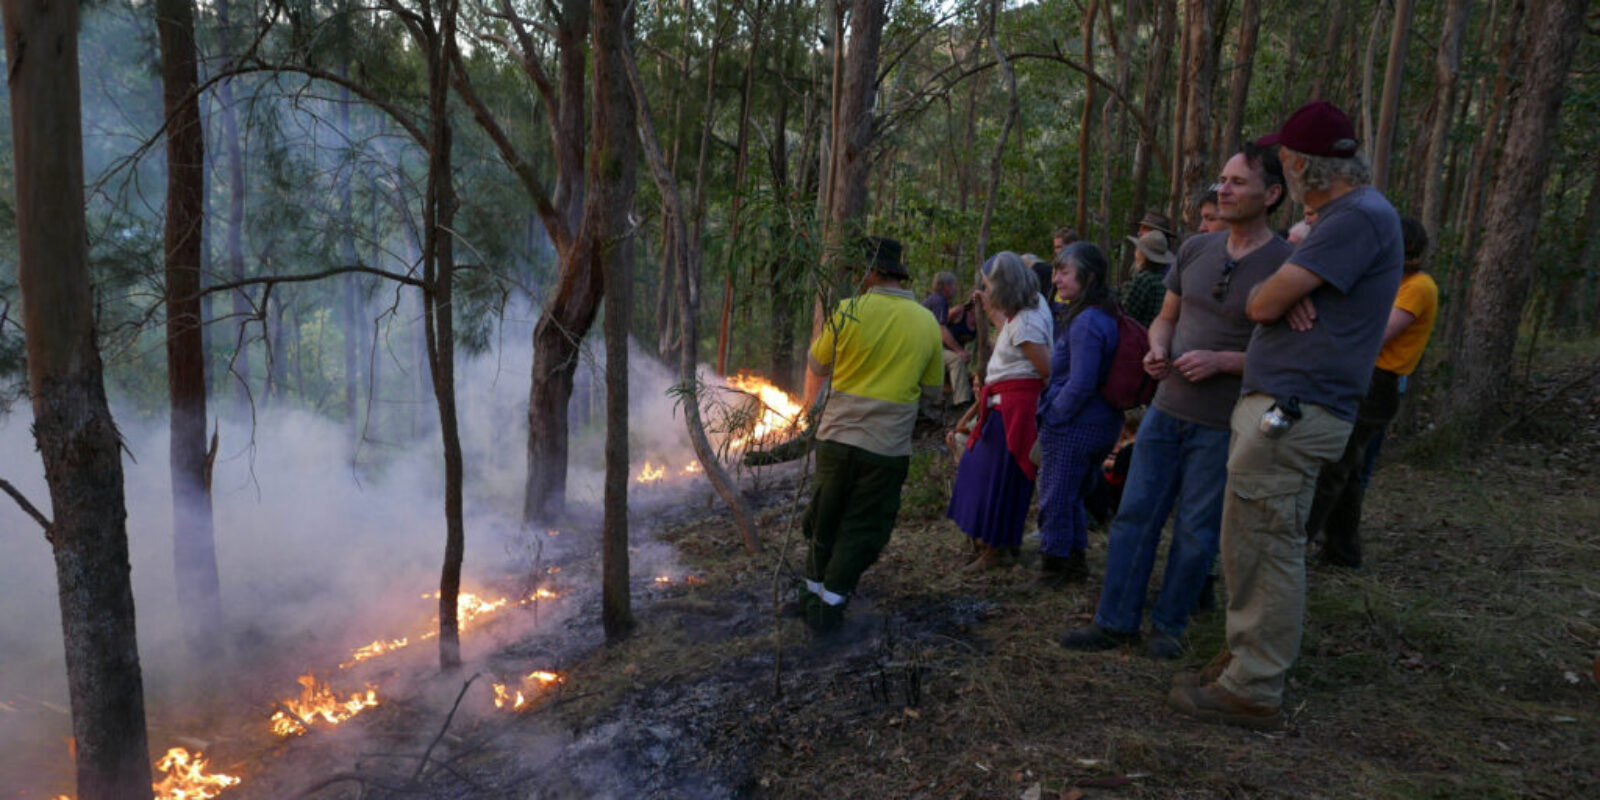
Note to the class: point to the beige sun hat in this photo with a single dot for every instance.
(1154, 246)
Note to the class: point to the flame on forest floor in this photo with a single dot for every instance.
(650, 473)
(780, 418)
(521, 698)
(318, 703)
(184, 777)
(469, 609)
(689, 579)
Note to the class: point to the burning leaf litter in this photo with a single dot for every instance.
(184, 777)
(781, 417)
(318, 703)
(520, 699)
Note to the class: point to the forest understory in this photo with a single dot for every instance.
(1460, 662)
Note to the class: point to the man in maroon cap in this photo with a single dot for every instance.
(1320, 320)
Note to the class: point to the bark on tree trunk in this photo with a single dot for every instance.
(687, 259)
(853, 136)
(1502, 273)
(1199, 17)
(611, 181)
(1155, 84)
(1389, 109)
(1239, 84)
(76, 437)
(194, 551)
(1447, 66)
(1080, 217)
(1328, 56)
(999, 155)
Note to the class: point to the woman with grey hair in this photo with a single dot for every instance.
(994, 482)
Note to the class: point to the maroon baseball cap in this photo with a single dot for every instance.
(1317, 128)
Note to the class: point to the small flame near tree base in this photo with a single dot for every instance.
(184, 777)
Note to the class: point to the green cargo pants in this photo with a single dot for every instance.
(855, 498)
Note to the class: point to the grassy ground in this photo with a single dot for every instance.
(1460, 662)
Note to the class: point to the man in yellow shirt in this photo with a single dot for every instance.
(1336, 511)
(882, 351)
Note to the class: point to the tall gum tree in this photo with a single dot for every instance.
(72, 425)
(1502, 274)
(194, 550)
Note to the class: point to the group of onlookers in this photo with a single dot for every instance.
(1271, 386)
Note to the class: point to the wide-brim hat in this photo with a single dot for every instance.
(1317, 128)
(1154, 247)
(883, 255)
(1158, 221)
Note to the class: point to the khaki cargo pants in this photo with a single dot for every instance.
(1271, 483)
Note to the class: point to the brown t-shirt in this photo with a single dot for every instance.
(1205, 323)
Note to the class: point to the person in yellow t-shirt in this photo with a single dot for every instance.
(1336, 511)
(881, 350)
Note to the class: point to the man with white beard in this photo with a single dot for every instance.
(1320, 321)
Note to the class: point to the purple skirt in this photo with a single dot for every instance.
(991, 496)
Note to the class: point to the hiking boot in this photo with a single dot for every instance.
(1077, 567)
(824, 619)
(1163, 646)
(1213, 703)
(1092, 638)
(1207, 674)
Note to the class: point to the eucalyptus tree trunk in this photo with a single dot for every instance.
(1080, 216)
(1502, 273)
(1368, 62)
(194, 550)
(1012, 107)
(853, 134)
(1199, 17)
(1389, 109)
(687, 259)
(1328, 55)
(1239, 84)
(1155, 84)
(1447, 67)
(72, 425)
(606, 232)
(234, 152)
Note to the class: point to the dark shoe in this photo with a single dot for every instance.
(1163, 646)
(1092, 638)
(797, 607)
(1207, 674)
(1077, 567)
(1212, 703)
(1207, 601)
(824, 619)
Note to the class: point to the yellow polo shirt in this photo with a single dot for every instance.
(882, 348)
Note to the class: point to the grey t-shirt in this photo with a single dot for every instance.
(1356, 247)
(1206, 323)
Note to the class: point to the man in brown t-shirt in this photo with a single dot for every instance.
(1197, 348)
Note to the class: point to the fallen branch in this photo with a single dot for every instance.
(1528, 411)
(428, 753)
(27, 507)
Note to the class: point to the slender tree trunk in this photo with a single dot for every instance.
(350, 288)
(1368, 60)
(1328, 56)
(613, 154)
(1199, 17)
(1180, 114)
(242, 310)
(1080, 217)
(1114, 116)
(1502, 272)
(995, 162)
(1155, 84)
(1239, 84)
(1389, 110)
(688, 299)
(1447, 66)
(853, 134)
(194, 549)
(72, 425)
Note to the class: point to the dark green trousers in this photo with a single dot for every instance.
(1336, 509)
(854, 501)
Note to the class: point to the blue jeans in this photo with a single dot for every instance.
(1177, 461)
